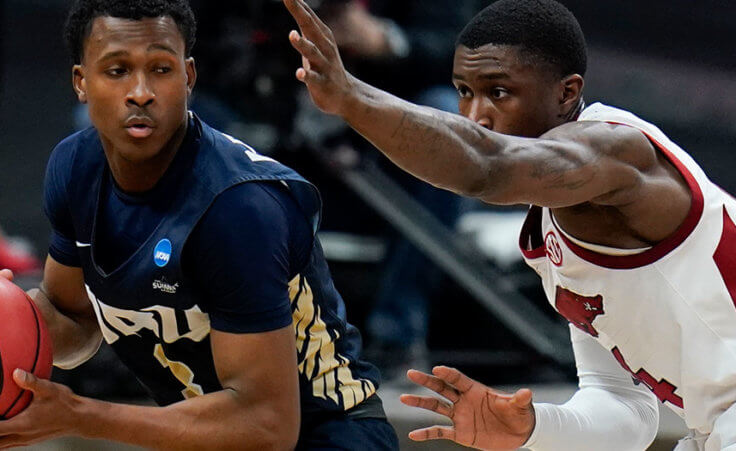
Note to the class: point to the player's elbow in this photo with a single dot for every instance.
(643, 419)
(86, 349)
(649, 414)
(78, 349)
(278, 430)
(493, 182)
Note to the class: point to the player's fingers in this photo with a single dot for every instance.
(307, 49)
(317, 21)
(14, 426)
(522, 399)
(6, 273)
(310, 25)
(300, 15)
(428, 403)
(11, 441)
(454, 377)
(433, 433)
(28, 381)
(435, 384)
(306, 64)
(24, 380)
(308, 76)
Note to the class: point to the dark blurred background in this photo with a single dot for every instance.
(671, 62)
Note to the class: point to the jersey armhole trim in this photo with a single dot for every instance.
(665, 246)
(532, 225)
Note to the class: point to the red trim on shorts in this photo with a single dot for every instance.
(532, 223)
(665, 246)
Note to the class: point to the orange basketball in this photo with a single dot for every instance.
(24, 344)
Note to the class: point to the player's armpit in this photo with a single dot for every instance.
(62, 299)
(574, 163)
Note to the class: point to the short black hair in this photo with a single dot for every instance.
(83, 13)
(542, 28)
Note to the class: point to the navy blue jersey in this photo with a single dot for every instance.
(225, 240)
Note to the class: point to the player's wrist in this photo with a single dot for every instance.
(528, 434)
(535, 432)
(354, 98)
(87, 417)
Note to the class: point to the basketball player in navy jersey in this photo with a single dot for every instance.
(195, 258)
(634, 244)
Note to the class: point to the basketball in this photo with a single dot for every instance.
(24, 344)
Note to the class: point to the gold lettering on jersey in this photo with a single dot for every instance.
(181, 372)
(197, 322)
(158, 319)
(328, 370)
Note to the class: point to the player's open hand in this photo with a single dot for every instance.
(329, 84)
(48, 416)
(482, 417)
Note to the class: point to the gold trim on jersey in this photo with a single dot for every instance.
(328, 370)
(181, 372)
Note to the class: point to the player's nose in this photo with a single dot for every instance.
(478, 113)
(141, 93)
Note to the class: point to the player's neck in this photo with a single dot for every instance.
(575, 112)
(139, 176)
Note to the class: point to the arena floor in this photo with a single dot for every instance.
(404, 420)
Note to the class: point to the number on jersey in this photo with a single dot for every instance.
(663, 390)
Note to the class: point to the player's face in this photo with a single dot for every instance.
(501, 91)
(136, 79)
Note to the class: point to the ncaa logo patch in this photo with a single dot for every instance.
(552, 249)
(162, 253)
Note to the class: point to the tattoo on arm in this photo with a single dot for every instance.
(563, 172)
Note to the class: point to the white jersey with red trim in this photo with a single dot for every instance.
(668, 313)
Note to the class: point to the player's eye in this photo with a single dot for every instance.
(499, 93)
(162, 69)
(464, 92)
(116, 71)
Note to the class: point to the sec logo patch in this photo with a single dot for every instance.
(553, 249)
(162, 253)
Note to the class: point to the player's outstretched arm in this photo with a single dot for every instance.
(482, 417)
(576, 163)
(257, 409)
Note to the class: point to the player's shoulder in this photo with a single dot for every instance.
(609, 132)
(73, 146)
(260, 204)
(251, 218)
(266, 198)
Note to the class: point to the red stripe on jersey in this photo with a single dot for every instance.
(531, 232)
(725, 254)
(665, 246)
(663, 390)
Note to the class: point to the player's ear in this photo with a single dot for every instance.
(79, 83)
(571, 88)
(191, 70)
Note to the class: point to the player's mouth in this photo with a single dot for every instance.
(139, 127)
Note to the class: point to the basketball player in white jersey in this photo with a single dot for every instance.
(634, 245)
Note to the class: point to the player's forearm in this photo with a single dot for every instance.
(610, 421)
(217, 421)
(75, 339)
(444, 149)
